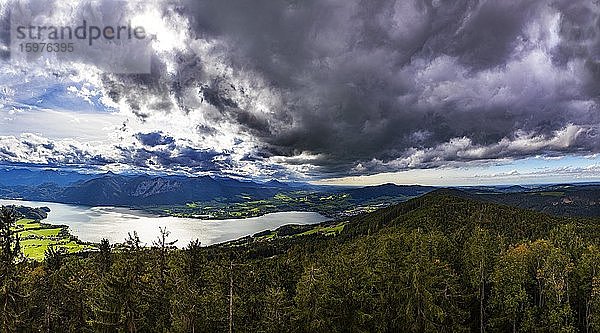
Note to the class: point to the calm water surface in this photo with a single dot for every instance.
(91, 224)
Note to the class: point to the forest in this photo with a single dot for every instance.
(438, 263)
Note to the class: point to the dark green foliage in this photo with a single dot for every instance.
(439, 263)
(565, 200)
(11, 299)
(104, 257)
(30, 213)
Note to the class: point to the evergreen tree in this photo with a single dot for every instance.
(10, 296)
(481, 250)
(104, 256)
(588, 279)
(510, 300)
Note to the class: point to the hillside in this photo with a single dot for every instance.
(147, 190)
(27, 177)
(390, 191)
(564, 200)
(453, 213)
(140, 190)
(443, 262)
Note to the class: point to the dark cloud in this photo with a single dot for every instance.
(392, 84)
(154, 139)
(216, 97)
(38, 150)
(158, 152)
(179, 159)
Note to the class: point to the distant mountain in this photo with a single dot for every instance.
(111, 189)
(145, 190)
(43, 192)
(34, 177)
(387, 190)
(148, 190)
(512, 189)
(495, 189)
(565, 200)
(127, 190)
(276, 183)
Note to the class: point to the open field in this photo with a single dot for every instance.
(337, 205)
(36, 238)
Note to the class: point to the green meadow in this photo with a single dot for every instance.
(35, 238)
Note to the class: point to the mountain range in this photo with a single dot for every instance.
(146, 190)
(110, 189)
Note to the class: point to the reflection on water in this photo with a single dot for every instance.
(91, 224)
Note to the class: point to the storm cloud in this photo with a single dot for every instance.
(154, 139)
(337, 87)
(371, 83)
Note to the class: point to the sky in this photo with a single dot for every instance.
(340, 92)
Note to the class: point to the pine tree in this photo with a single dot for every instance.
(104, 256)
(120, 300)
(480, 252)
(10, 297)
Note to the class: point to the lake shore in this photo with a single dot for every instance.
(91, 224)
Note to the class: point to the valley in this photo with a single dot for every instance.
(433, 263)
(188, 205)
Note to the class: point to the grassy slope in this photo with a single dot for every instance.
(36, 238)
(445, 211)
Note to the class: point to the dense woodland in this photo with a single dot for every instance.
(438, 263)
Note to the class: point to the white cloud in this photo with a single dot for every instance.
(464, 150)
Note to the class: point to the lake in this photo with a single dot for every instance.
(91, 224)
